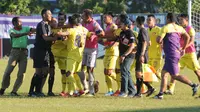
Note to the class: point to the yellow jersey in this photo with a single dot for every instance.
(58, 45)
(155, 50)
(75, 42)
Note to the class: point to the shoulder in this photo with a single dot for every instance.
(157, 28)
(25, 27)
(143, 30)
(114, 26)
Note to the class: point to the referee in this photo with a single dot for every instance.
(40, 54)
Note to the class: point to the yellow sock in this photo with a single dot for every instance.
(78, 82)
(118, 80)
(71, 85)
(63, 80)
(108, 82)
(172, 87)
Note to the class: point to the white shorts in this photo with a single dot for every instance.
(89, 57)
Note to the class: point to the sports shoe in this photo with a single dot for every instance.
(138, 96)
(51, 94)
(195, 89)
(62, 94)
(2, 91)
(150, 92)
(96, 86)
(14, 94)
(131, 95)
(109, 93)
(86, 91)
(123, 95)
(158, 96)
(168, 92)
(81, 92)
(32, 94)
(90, 95)
(40, 94)
(116, 93)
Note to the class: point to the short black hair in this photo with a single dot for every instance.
(88, 12)
(74, 19)
(140, 20)
(151, 15)
(110, 14)
(123, 17)
(62, 14)
(43, 11)
(77, 17)
(14, 20)
(184, 16)
(171, 17)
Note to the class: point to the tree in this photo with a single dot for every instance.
(18, 7)
(176, 6)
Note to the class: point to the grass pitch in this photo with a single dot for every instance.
(181, 101)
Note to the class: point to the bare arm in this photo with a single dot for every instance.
(159, 40)
(49, 38)
(144, 45)
(187, 40)
(191, 41)
(130, 49)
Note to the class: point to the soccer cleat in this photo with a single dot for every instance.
(158, 96)
(150, 92)
(86, 91)
(81, 92)
(195, 89)
(168, 92)
(123, 95)
(51, 94)
(96, 86)
(90, 95)
(116, 93)
(14, 94)
(109, 93)
(62, 94)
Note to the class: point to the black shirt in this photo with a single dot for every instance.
(125, 39)
(42, 28)
(142, 37)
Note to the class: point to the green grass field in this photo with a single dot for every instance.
(182, 101)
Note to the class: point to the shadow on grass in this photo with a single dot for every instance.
(180, 109)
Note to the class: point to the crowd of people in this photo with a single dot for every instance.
(74, 47)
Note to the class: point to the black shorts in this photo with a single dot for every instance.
(40, 58)
(138, 64)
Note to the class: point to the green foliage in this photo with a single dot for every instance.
(27, 7)
(18, 7)
(176, 6)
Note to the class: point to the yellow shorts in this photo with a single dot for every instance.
(61, 63)
(190, 61)
(156, 63)
(110, 62)
(73, 66)
(118, 63)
